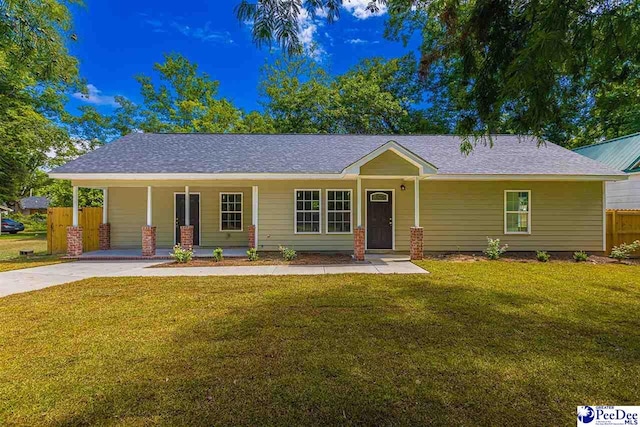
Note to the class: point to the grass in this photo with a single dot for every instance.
(12, 244)
(489, 343)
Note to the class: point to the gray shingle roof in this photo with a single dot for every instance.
(34, 202)
(250, 153)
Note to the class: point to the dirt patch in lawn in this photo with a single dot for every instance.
(267, 259)
(527, 257)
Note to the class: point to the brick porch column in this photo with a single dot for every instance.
(74, 241)
(148, 240)
(416, 245)
(186, 237)
(104, 236)
(252, 236)
(358, 244)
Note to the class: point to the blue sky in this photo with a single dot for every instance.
(119, 39)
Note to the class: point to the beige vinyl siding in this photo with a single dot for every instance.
(128, 207)
(389, 163)
(127, 215)
(276, 217)
(565, 216)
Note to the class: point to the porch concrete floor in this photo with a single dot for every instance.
(30, 279)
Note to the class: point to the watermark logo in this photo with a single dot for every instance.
(586, 414)
(589, 416)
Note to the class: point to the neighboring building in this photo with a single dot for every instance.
(341, 193)
(34, 204)
(622, 154)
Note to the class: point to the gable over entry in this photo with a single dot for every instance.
(391, 159)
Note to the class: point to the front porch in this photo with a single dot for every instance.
(360, 215)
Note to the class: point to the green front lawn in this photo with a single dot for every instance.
(12, 244)
(487, 343)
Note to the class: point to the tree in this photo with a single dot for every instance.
(187, 101)
(551, 69)
(375, 96)
(35, 72)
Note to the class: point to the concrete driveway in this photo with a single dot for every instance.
(31, 279)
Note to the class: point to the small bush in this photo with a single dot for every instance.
(580, 256)
(624, 250)
(288, 254)
(217, 255)
(181, 255)
(542, 256)
(33, 222)
(252, 254)
(494, 250)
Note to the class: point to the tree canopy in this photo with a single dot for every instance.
(36, 70)
(375, 96)
(565, 71)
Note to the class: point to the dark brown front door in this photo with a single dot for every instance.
(195, 216)
(379, 220)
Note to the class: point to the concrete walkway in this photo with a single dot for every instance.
(30, 279)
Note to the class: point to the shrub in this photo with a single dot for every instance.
(288, 254)
(580, 256)
(624, 250)
(252, 254)
(543, 256)
(494, 250)
(217, 255)
(181, 255)
(33, 222)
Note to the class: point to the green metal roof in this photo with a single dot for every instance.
(621, 153)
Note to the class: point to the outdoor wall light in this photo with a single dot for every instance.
(402, 187)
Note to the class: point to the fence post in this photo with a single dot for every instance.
(614, 229)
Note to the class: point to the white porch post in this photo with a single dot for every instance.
(359, 200)
(149, 205)
(416, 202)
(187, 206)
(254, 213)
(105, 205)
(75, 206)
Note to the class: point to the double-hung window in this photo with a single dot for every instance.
(307, 211)
(230, 211)
(517, 212)
(339, 211)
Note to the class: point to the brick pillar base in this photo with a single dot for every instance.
(148, 240)
(74, 241)
(416, 251)
(186, 237)
(104, 236)
(252, 236)
(358, 244)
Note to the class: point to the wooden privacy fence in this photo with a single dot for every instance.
(58, 219)
(623, 226)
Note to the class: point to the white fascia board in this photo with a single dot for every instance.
(526, 177)
(423, 166)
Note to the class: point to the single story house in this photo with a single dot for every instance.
(33, 204)
(360, 193)
(622, 154)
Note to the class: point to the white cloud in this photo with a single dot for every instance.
(94, 96)
(204, 34)
(356, 41)
(358, 8)
(307, 29)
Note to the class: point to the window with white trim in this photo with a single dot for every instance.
(517, 212)
(307, 211)
(230, 211)
(338, 211)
